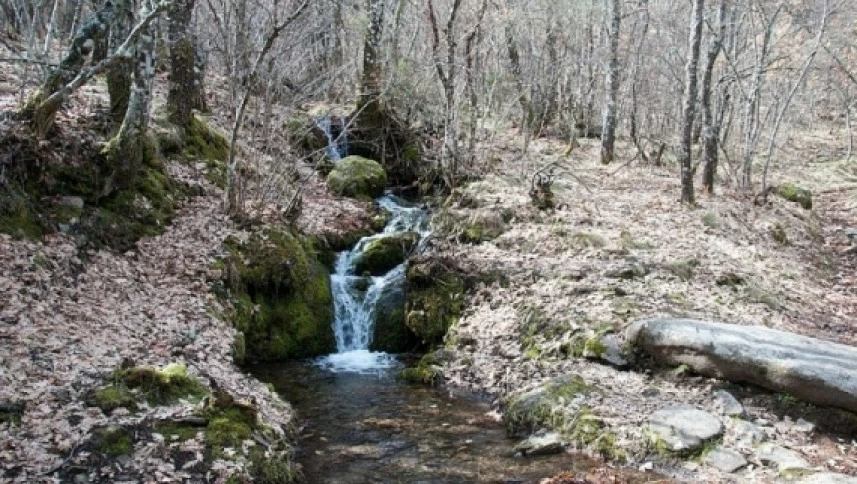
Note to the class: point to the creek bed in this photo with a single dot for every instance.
(370, 427)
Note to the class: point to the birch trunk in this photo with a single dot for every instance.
(608, 135)
(688, 110)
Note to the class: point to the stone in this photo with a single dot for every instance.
(749, 434)
(633, 270)
(684, 428)
(820, 372)
(727, 460)
(613, 353)
(804, 426)
(73, 202)
(358, 177)
(786, 460)
(546, 444)
(727, 404)
(828, 478)
(385, 252)
(796, 194)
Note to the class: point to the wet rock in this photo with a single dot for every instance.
(384, 253)
(727, 404)
(727, 460)
(786, 461)
(749, 434)
(546, 444)
(828, 478)
(358, 177)
(683, 428)
(814, 370)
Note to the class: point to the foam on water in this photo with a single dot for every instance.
(358, 361)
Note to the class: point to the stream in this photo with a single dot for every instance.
(361, 424)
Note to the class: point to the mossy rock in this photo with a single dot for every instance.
(435, 299)
(162, 386)
(386, 252)
(111, 397)
(483, 227)
(390, 333)
(113, 441)
(796, 194)
(357, 177)
(544, 407)
(427, 371)
(282, 297)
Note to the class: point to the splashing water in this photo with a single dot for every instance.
(337, 141)
(354, 308)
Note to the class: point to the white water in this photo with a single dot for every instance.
(337, 146)
(354, 308)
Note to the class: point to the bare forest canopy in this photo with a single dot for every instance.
(714, 86)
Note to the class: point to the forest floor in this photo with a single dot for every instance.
(562, 268)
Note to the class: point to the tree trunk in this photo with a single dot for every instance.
(370, 79)
(608, 135)
(42, 114)
(710, 126)
(120, 76)
(125, 152)
(181, 96)
(688, 110)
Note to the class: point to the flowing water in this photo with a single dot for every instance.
(361, 424)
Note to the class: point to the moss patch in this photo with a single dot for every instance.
(112, 441)
(10, 413)
(796, 194)
(435, 299)
(164, 386)
(282, 301)
(383, 254)
(545, 406)
(112, 397)
(358, 177)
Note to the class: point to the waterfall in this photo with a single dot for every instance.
(355, 299)
(337, 140)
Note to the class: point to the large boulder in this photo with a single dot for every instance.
(384, 253)
(390, 334)
(283, 300)
(814, 370)
(358, 177)
(435, 298)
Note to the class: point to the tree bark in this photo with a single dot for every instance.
(608, 135)
(688, 110)
(710, 125)
(182, 93)
(120, 75)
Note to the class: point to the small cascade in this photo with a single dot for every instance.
(355, 298)
(337, 139)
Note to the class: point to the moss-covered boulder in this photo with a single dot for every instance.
(390, 334)
(435, 298)
(796, 194)
(358, 177)
(386, 252)
(284, 304)
(545, 406)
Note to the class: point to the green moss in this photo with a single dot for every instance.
(796, 194)
(282, 298)
(424, 374)
(682, 269)
(113, 441)
(778, 233)
(272, 470)
(710, 220)
(176, 430)
(239, 348)
(383, 254)
(605, 445)
(594, 348)
(10, 413)
(483, 229)
(228, 428)
(19, 216)
(112, 397)
(587, 239)
(435, 299)
(164, 386)
(627, 241)
(358, 177)
(544, 406)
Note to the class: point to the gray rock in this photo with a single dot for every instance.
(814, 370)
(727, 460)
(546, 444)
(749, 434)
(613, 353)
(786, 460)
(683, 427)
(727, 404)
(804, 426)
(828, 478)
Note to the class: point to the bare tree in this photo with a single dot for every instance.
(183, 83)
(688, 109)
(710, 123)
(608, 134)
